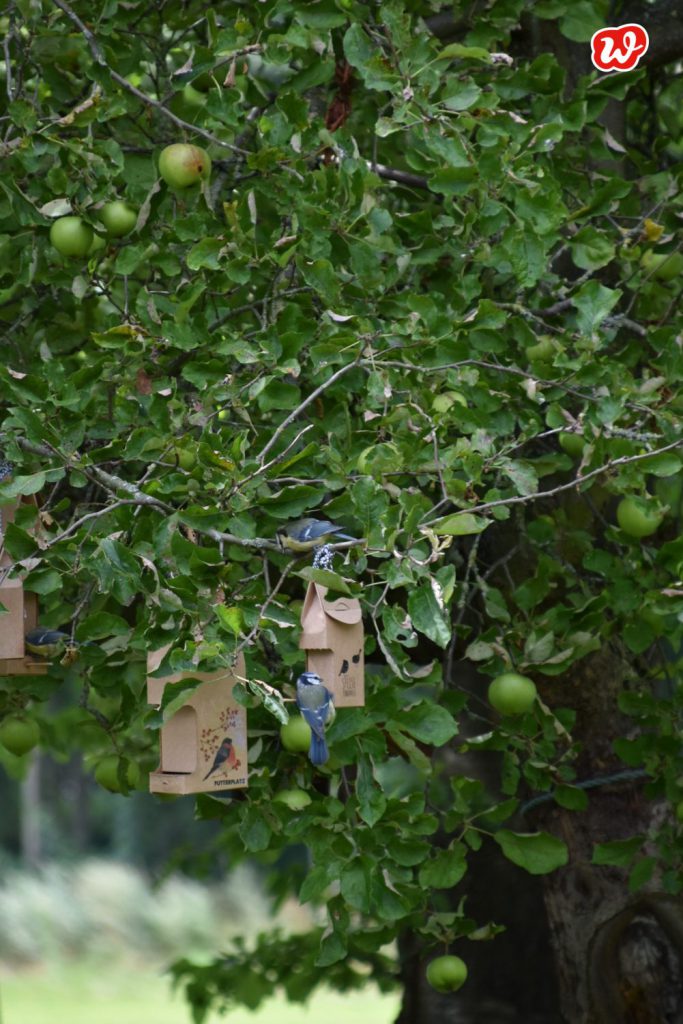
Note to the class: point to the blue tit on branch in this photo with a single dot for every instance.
(48, 643)
(315, 703)
(306, 534)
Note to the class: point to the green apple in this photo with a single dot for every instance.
(182, 165)
(295, 799)
(665, 266)
(107, 773)
(98, 244)
(572, 444)
(512, 694)
(638, 517)
(19, 734)
(119, 218)
(71, 236)
(295, 736)
(188, 103)
(192, 98)
(447, 973)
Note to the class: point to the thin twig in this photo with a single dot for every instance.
(402, 177)
(249, 306)
(523, 499)
(250, 636)
(303, 405)
(92, 515)
(98, 56)
(274, 461)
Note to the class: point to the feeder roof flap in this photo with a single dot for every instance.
(345, 610)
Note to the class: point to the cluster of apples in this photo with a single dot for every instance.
(72, 236)
(181, 165)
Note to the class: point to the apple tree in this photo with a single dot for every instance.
(416, 271)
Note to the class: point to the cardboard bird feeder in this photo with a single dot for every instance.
(332, 636)
(22, 608)
(204, 744)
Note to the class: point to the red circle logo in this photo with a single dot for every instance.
(619, 48)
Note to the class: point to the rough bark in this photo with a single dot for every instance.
(664, 24)
(619, 956)
(578, 947)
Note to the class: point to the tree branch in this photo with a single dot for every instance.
(306, 402)
(524, 499)
(402, 177)
(99, 57)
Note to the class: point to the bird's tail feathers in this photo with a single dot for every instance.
(318, 752)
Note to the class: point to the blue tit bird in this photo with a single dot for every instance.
(47, 643)
(306, 534)
(315, 703)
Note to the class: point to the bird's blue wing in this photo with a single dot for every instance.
(314, 703)
(317, 529)
(316, 718)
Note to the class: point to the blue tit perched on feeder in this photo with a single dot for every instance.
(315, 703)
(47, 643)
(306, 534)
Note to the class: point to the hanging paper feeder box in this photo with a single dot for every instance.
(332, 636)
(22, 610)
(204, 744)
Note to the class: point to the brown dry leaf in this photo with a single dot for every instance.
(143, 382)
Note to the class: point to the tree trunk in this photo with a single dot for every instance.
(511, 980)
(619, 956)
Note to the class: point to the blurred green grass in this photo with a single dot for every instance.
(76, 993)
(86, 943)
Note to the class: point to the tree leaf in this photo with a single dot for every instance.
(460, 524)
(594, 302)
(619, 852)
(102, 624)
(445, 869)
(427, 616)
(230, 618)
(428, 723)
(537, 852)
(455, 50)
